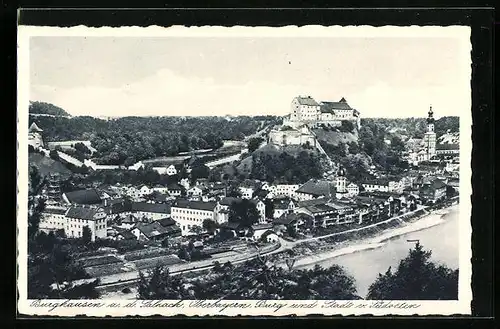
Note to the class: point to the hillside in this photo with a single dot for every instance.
(47, 108)
(293, 164)
(46, 165)
(333, 137)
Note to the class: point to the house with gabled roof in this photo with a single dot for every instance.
(79, 217)
(315, 188)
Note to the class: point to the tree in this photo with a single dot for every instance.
(254, 143)
(86, 235)
(195, 229)
(397, 144)
(52, 269)
(416, 278)
(199, 171)
(54, 155)
(346, 126)
(209, 225)
(36, 204)
(82, 148)
(158, 284)
(269, 208)
(243, 212)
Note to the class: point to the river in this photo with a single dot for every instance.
(365, 265)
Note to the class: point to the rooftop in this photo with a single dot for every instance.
(199, 205)
(317, 188)
(84, 197)
(34, 128)
(82, 213)
(307, 101)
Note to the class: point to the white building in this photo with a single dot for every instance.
(53, 219)
(171, 170)
(376, 185)
(195, 191)
(192, 213)
(160, 189)
(174, 190)
(137, 166)
(246, 192)
(395, 186)
(79, 217)
(287, 190)
(283, 206)
(352, 189)
(304, 109)
(287, 135)
(144, 190)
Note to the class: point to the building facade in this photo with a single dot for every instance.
(188, 214)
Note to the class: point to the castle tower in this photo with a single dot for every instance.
(35, 136)
(430, 136)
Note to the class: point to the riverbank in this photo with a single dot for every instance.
(321, 251)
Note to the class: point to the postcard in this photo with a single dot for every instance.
(254, 171)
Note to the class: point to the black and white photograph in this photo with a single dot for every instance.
(247, 171)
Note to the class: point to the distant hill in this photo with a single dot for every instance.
(46, 165)
(47, 108)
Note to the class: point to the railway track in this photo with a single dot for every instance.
(135, 278)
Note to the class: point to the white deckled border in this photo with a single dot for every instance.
(462, 306)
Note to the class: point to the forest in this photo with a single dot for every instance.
(127, 140)
(46, 108)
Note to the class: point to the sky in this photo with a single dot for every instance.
(142, 76)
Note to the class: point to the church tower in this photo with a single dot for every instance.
(341, 183)
(430, 136)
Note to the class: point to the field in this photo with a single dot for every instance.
(99, 260)
(107, 269)
(152, 262)
(145, 253)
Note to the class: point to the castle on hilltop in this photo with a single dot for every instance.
(306, 110)
(307, 113)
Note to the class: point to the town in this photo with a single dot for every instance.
(198, 210)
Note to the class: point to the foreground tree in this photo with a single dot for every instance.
(256, 279)
(86, 235)
(36, 204)
(158, 284)
(417, 278)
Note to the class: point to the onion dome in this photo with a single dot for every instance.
(341, 171)
(430, 118)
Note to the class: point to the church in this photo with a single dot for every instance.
(430, 137)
